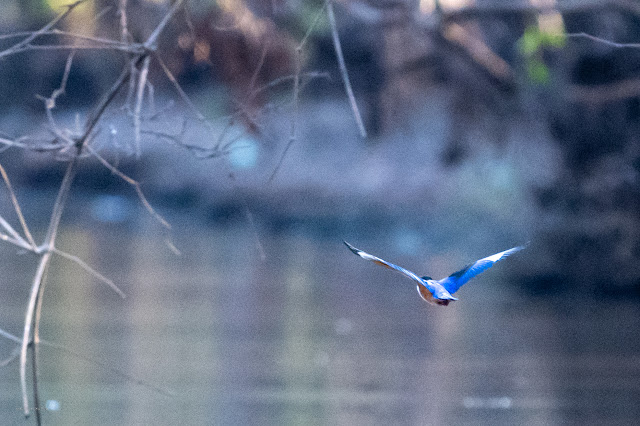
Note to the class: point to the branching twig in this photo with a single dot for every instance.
(50, 102)
(131, 182)
(182, 93)
(49, 242)
(17, 47)
(18, 210)
(34, 305)
(293, 133)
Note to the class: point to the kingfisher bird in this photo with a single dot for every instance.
(439, 292)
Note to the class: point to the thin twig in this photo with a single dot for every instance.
(50, 102)
(116, 371)
(134, 49)
(182, 93)
(142, 81)
(34, 305)
(28, 324)
(99, 41)
(9, 336)
(343, 68)
(11, 143)
(90, 270)
(601, 40)
(35, 352)
(18, 210)
(44, 29)
(151, 93)
(125, 37)
(106, 99)
(293, 133)
(252, 224)
(175, 250)
(256, 72)
(131, 182)
(49, 242)
(14, 355)
(86, 358)
(15, 237)
(284, 79)
(20, 243)
(153, 38)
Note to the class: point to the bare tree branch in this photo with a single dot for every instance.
(49, 242)
(601, 40)
(86, 358)
(34, 35)
(90, 270)
(18, 210)
(125, 37)
(293, 134)
(142, 82)
(343, 68)
(131, 182)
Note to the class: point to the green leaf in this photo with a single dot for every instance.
(530, 41)
(538, 71)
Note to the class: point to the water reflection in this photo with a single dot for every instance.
(311, 336)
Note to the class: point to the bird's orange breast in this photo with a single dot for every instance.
(428, 297)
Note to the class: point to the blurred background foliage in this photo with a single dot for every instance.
(490, 122)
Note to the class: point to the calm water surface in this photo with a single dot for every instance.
(312, 335)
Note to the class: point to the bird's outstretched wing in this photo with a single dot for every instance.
(456, 280)
(384, 263)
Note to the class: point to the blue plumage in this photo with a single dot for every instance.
(440, 292)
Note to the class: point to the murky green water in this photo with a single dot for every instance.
(312, 335)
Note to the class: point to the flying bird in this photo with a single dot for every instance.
(439, 292)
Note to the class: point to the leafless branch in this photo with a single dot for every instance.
(14, 355)
(18, 210)
(35, 352)
(293, 133)
(142, 82)
(601, 40)
(131, 182)
(182, 93)
(34, 305)
(38, 281)
(287, 78)
(343, 68)
(44, 29)
(90, 270)
(125, 37)
(50, 102)
(86, 358)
